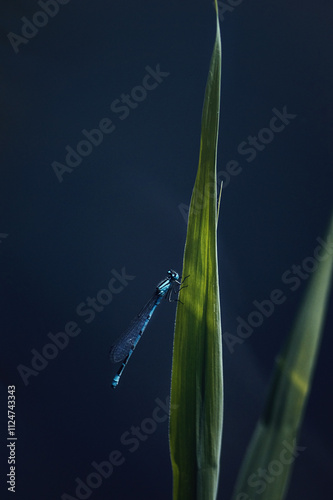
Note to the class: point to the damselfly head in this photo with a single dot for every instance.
(173, 274)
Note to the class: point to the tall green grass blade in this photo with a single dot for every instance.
(196, 388)
(269, 460)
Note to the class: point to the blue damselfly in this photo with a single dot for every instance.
(123, 349)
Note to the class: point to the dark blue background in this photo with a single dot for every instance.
(121, 208)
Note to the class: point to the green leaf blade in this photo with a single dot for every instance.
(274, 441)
(196, 389)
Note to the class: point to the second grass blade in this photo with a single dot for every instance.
(267, 466)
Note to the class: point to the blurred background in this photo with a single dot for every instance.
(116, 210)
